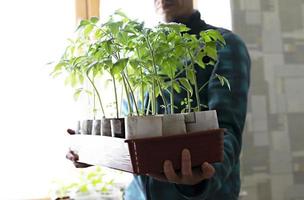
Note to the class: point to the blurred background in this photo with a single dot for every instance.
(35, 109)
(273, 150)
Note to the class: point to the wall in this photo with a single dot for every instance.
(273, 145)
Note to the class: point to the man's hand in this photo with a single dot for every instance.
(187, 176)
(72, 156)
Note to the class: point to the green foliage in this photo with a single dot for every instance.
(87, 181)
(223, 80)
(142, 59)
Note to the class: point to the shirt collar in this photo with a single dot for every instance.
(194, 21)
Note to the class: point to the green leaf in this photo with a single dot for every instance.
(186, 85)
(206, 38)
(98, 33)
(175, 26)
(122, 37)
(88, 29)
(120, 13)
(83, 188)
(96, 181)
(91, 67)
(80, 78)
(191, 76)
(96, 70)
(114, 27)
(223, 80)
(108, 46)
(179, 50)
(82, 24)
(55, 74)
(59, 66)
(94, 20)
(227, 83)
(107, 64)
(220, 78)
(73, 79)
(211, 52)
(199, 59)
(119, 66)
(57, 69)
(77, 93)
(176, 86)
(134, 63)
(216, 36)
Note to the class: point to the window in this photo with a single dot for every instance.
(216, 12)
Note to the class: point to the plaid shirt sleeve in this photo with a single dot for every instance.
(231, 106)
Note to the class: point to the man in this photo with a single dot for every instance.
(221, 180)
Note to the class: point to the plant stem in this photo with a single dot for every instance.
(205, 84)
(171, 92)
(128, 97)
(131, 92)
(172, 98)
(116, 99)
(142, 94)
(195, 82)
(94, 105)
(155, 74)
(98, 95)
(114, 83)
(179, 73)
(153, 98)
(188, 96)
(188, 102)
(163, 97)
(148, 106)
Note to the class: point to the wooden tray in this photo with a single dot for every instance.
(146, 155)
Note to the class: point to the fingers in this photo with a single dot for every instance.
(170, 172)
(187, 176)
(72, 156)
(186, 163)
(71, 131)
(81, 165)
(208, 170)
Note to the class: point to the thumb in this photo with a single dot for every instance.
(208, 170)
(71, 131)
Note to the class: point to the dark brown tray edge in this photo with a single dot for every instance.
(132, 146)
